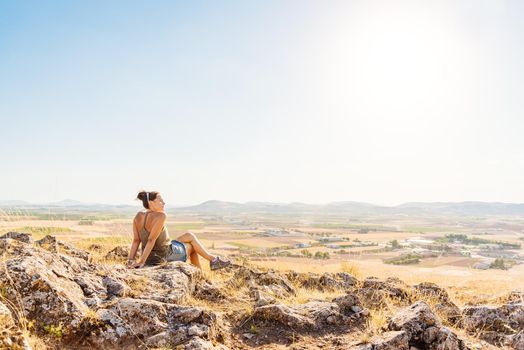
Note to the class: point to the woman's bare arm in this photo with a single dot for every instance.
(134, 244)
(158, 224)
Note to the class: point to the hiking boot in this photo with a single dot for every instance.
(219, 263)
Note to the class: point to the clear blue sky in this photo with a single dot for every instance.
(314, 101)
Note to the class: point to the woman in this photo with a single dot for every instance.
(149, 230)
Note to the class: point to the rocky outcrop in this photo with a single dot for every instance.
(326, 281)
(90, 305)
(74, 303)
(117, 253)
(502, 324)
(424, 330)
(19, 236)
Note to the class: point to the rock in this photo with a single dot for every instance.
(392, 286)
(199, 330)
(321, 312)
(111, 307)
(117, 253)
(169, 283)
(514, 297)
(262, 298)
(188, 323)
(342, 280)
(145, 317)
(70, 250)
(95, 247)
(446, 339)
(347, 279)
(430, 334)
(91, 285)
(211, 292)
(271, 279)
(44, 282)
(160, 340)
(505, 319)
(276, 284)
(199, 344)
(394, 340)
(432, 289)
(375, 292)
(312, 315)
(443, 305)
(517, 341)
(372, 298)
(414, 320)
(284, 315)
(424, 329)
(18, 236)
(57, 289)
(48, 243)
(115, 287)
(349, 304)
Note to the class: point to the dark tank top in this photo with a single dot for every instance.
(160, 249)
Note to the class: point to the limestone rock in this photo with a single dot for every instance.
(18, 236)
(261, 297)
(117, 253)
(394, 340)
(284, 315)
(70, 250)
(115, 287)
(506, 319)
(414, 320)
(424, 329)
(44, 282)
(49, 243)
(341, 280)
(211, 292)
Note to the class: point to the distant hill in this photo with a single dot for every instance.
(68, 203)
(464, 208)
(217, 207)
(12, 203)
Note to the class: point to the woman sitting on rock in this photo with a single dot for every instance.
(149, 230)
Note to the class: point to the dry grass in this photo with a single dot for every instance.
(138, 285)
(305, 295)
(378, 319)
(17, 310)
(351, 267)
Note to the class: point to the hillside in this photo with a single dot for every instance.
(217, 207)
(56, 296)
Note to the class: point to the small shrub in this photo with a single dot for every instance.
(405, 259)
(56, 331)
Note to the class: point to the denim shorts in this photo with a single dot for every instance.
(177, 251)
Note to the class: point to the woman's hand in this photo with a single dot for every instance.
(136, 265)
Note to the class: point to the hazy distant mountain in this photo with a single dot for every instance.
(219, 207)
(68, 203)
(216, 207)
(464, 208)
(13, 203)
(352, 208)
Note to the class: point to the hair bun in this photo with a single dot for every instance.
(141, 195)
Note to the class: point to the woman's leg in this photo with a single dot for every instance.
(195, 260)
(192, 255)
(197, 247)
